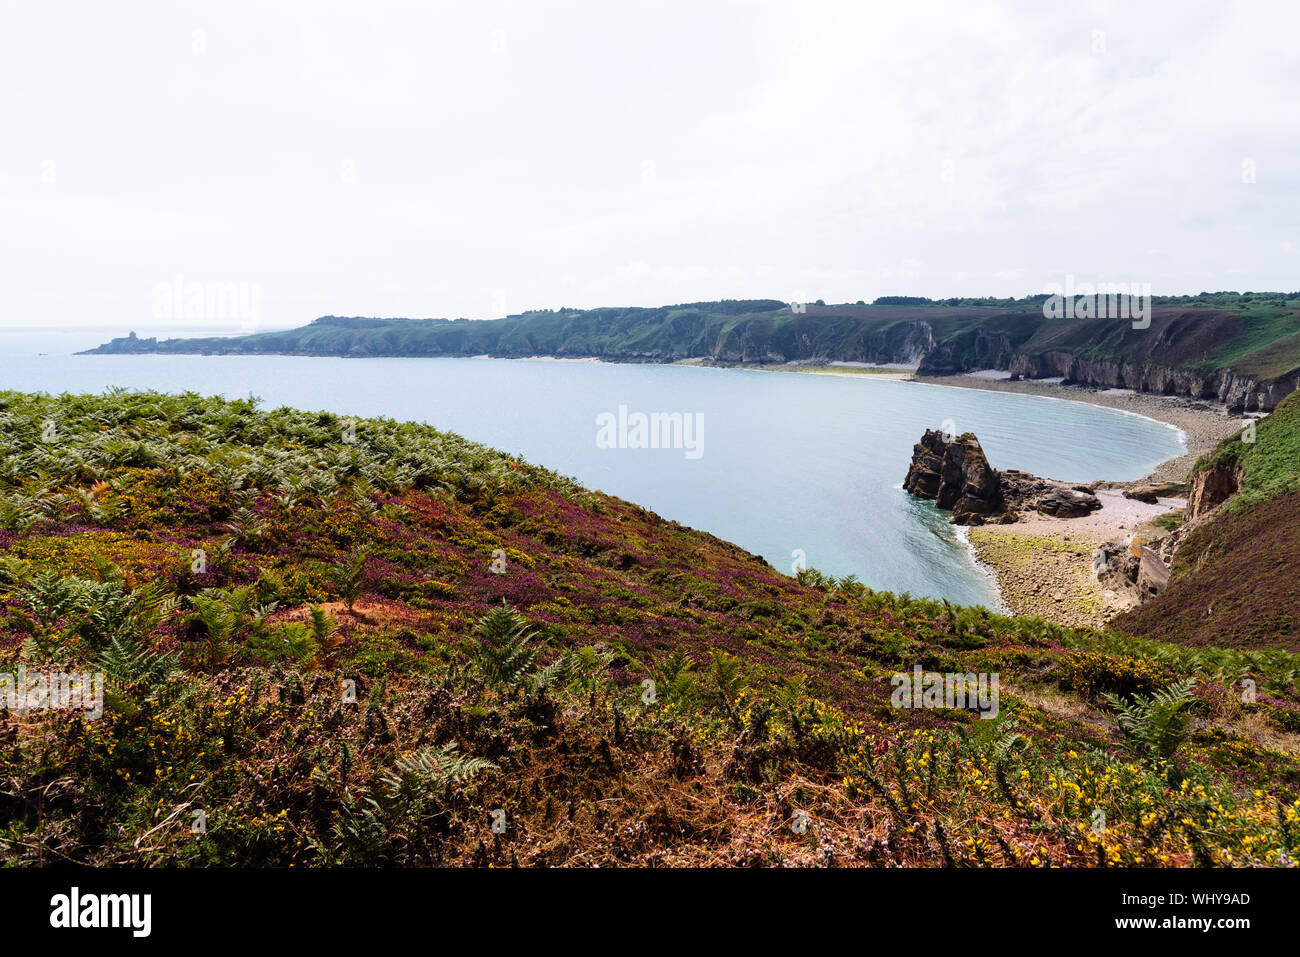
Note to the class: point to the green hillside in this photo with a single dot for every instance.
(369, 642)
(1234, 578)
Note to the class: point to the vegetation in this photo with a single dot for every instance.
(1169, 521)
(316, 655)
(1157, 723)
(1268, 456)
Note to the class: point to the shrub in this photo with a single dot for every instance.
(1093, 675)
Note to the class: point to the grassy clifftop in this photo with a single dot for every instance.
(1243, 349)
(1234, 577)
(1270, 464)
(372, 642)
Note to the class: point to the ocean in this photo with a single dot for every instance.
(801, 469)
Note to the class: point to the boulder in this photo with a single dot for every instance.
(1143, 493)
(1153, 574)
(1067, 503)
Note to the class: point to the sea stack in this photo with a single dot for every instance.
(956, 475)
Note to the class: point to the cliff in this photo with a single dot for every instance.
(1220, 347)
(1240, 393)
(1234, 567)
(1212, 485)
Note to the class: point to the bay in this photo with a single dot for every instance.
(797, 468)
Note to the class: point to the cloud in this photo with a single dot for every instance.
(642, 155)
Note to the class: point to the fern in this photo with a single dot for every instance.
(397, 810)
(430, 770)
(132, 670)
(96, 612)
(103, 512)
(1157, 724)
(293, 641)
(677, 677)
(14, 571)
(18, 515)
(324, 632)
(219, 620)
(730, 684)
(349, 577)
(554, 674)
(502, 651)
(245, 527)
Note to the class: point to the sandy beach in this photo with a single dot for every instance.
(887, 373)
(850, 370)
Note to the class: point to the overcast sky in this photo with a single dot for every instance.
(472, 159)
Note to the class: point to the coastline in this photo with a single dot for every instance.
(1043, 566)
(1037, 567)
(1203, 424)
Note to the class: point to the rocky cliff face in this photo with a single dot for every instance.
(904, 343)
(1211, 487)
(978, 351)
(1240, 394)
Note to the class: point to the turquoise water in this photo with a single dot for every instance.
(786, 462)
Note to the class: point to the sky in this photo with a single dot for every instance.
(235, 166)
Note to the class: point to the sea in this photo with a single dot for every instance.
(805, 470)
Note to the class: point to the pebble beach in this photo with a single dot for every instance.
(1043, 566)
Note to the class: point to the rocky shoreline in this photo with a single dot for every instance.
(1043, 566)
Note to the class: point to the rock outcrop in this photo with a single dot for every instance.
(955, 473)
(1116, 565)
(1132, 570)
(1067, 503)
(1148, 494)
(1153, 574)
(1211, 487)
